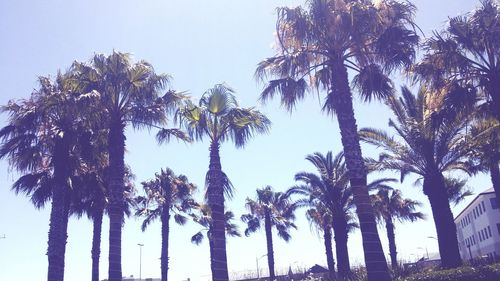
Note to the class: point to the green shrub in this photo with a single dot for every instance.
(481, 273)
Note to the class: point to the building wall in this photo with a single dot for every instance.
(479, 227)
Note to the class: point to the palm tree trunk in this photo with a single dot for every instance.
(327, 237)
(494, 170)
(215, 198)
(494, 92)
(389, 226)
(495, 179)
(269, 241)
(58, 233)
(341, 237)
(96, 242)
(376, 265)
(116, 144)
(165, 230)
(434, 188)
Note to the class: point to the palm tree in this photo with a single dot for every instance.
(320, 218)
(166, 194)
(331, 190)
(466, 52)
(127, 93)
(429, 144)
(203, 217)
(390, 206)
(90, 198)
(274, 210)
(219, 117)
(322, 43)
(485, 149)
(40, 142)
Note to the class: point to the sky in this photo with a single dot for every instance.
(199, 43)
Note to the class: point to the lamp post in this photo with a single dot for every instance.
(257, 262)
(140, 260)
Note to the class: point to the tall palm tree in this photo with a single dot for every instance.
(274, 210)
(320, 218)
(219, 117)
(330, 189)
(321, 43)
(166, 194)
(127, 93)
(466, 52)
(428, 144)
(389, 206)
(40, 142)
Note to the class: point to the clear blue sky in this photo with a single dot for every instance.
(200, 43)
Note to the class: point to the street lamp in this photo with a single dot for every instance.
(140, 260)
(257, 261)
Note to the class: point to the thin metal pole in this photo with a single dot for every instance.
(257, 261)
(140, 261)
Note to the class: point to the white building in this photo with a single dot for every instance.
(478, 227)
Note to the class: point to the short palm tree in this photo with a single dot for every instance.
(126, 93)
(90, 198)
(273, 209)
(320, 218)
(330, 189)
(466, 52)
(219, 117)
(321, 43)
(428, 144)
(390, 206)
(166, 194)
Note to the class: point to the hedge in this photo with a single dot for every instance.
(481, 273)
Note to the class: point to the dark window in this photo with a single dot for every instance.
(498, 228)
(474, 211)
(480, 236)
(484, 208)
(480, 209)
(489, 230)
(473, 239)
(493, 202)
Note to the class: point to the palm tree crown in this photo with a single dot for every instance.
(466, 53)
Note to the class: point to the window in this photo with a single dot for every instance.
(484, 208)
(480, 236)
(480, 209)
(473, 240)
(493, 202)
(474, 211)
(489, 230)
(498, 228)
